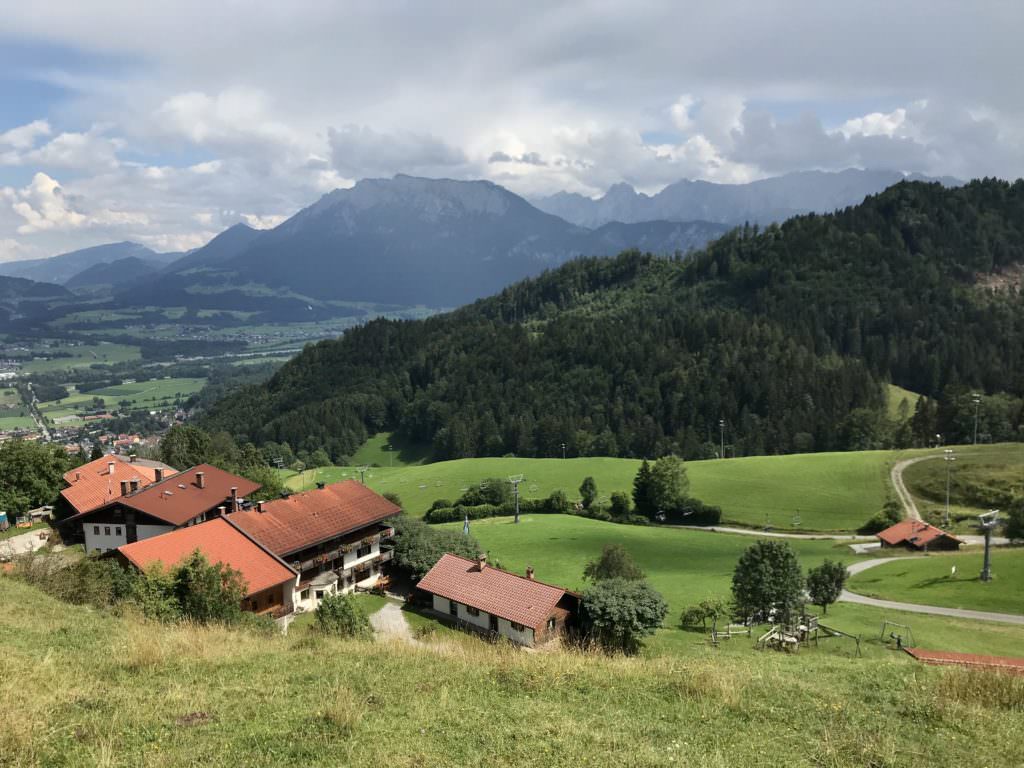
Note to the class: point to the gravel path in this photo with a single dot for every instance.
(23, 542)
(389, 622)
(892, 605)
(896, 475)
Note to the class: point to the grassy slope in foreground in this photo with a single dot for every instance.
(929, 580)
(687, 566)
(829, 491)
(92, 689)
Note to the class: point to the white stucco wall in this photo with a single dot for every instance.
(149, 531)
(523, 638)
(350, 559)
(102, 541)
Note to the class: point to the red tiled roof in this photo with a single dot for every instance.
(92, 485)
(304, 519)
(492, 590)
(914, 532)
(220, 542)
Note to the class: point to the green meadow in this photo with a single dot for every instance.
(809, 492)
(156, 394)
(90, 688)
(80, 356)
(931, 581)
(687, 566)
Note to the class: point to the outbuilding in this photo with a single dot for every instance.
(490, 600)
(918, 535)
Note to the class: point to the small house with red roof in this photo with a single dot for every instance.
(107, 478)
(269, 582)
(332, 536)
(181, 500)
(918, 535)
(490, 600)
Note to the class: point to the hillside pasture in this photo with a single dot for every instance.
(931, 581)
(807, 492)
(687, 566)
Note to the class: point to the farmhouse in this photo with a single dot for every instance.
(919, 535)
(269, 582)
(181, 500)
(331, 536)
(100, 481)
(487, 599)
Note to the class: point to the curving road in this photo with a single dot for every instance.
(959, 613)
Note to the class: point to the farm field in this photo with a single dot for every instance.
(82, 356)
(13, 413)
(809, 492)
(930, 581)
(155, 394)
(981, 478)
(688, 566)
(128, 692)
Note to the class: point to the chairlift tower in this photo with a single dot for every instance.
(721, 430)
(976, 399)
(949, 458)
(516, 480)
(987, 522)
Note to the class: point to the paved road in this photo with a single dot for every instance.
(775, 534)
(936, 610)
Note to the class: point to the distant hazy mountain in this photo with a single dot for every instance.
(60, 269)
(762, 201)
(19, 296)
(402, 241)
(113, 274)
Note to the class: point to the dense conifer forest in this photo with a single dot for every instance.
(787, 334)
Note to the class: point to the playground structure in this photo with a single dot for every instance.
(900, 638)
(730, 631)
(806, 630)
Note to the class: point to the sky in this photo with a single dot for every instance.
(166, 123)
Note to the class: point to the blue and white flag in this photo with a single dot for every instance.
(465, 526)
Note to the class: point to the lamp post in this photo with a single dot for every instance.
(976, 398)
(721, 429)
(563, 450)
(949, 458)
(987, 522)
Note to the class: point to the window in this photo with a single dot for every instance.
(517, 626)
(106, 530)
(304, 594)
(472, 611)
(319, 594)
(453, 608)
(117, 531)
(96, 530)
(363, 551)
(551, 623)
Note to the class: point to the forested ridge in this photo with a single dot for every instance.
(787, 334)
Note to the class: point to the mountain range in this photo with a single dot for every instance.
(788, 336)
(758, 202)
(62, 268)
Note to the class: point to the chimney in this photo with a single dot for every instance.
(529, 572)
(259, 506)
(132, 457)
(124, 487)
(221, 510)
(78, 476)
(110, 468)
(134, 484)
(159, 471)
(481, 562)
(234, 498)
(201, 479)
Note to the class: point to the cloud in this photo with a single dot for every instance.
(526, 158)
(358, 151)
(24, 136)
(44, 206)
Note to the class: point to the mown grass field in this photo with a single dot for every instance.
(687, 566)
(156, 394)
(981, 477)
(930, 581)
(385, 450)
(90, 689)
(894, 399)
(82, 356)
(810, 492)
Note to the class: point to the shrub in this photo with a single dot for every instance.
(339, 615)
(825, 583)
(208, 592)
(709, 609)
(617, 613)
(418, 545)
(690, 511)
(892, 513)
(615, 562)
(620, 505)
